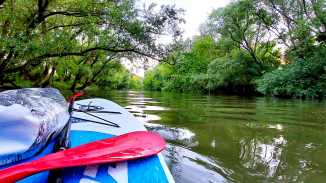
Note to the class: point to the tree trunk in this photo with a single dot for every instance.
(27, 72)
(87, 83)
(92, 81)
(42, 79)
(2, 1)
(77, 79)
(80, 76)
(67, 78)
(50, 78)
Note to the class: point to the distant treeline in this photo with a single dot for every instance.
(241, 48)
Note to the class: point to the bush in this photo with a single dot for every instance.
(303, 77)
(232, 72)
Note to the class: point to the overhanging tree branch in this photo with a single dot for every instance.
(82, 53)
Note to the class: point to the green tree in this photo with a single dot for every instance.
(298, 24)
(52, 31)
(148, 81)
(136, 82)
(238, 22)
(305, 77)
(239, 51)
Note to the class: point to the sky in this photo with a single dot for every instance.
(196, 13)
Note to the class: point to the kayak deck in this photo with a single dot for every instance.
(149, 169)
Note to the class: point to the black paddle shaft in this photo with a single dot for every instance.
(63, 143)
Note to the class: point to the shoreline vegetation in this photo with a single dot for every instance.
(249, 47)
(270, 47)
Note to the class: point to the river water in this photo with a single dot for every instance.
(224, 138)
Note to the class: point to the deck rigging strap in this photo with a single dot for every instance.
(109, 123)
(87, 120)
(79, 110)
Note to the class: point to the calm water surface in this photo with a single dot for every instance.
(219, 138)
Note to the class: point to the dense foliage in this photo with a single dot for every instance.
(241, 48)
(76, 44)
(305, 77)
(78, 41)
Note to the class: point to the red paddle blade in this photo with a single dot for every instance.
(124, 147)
